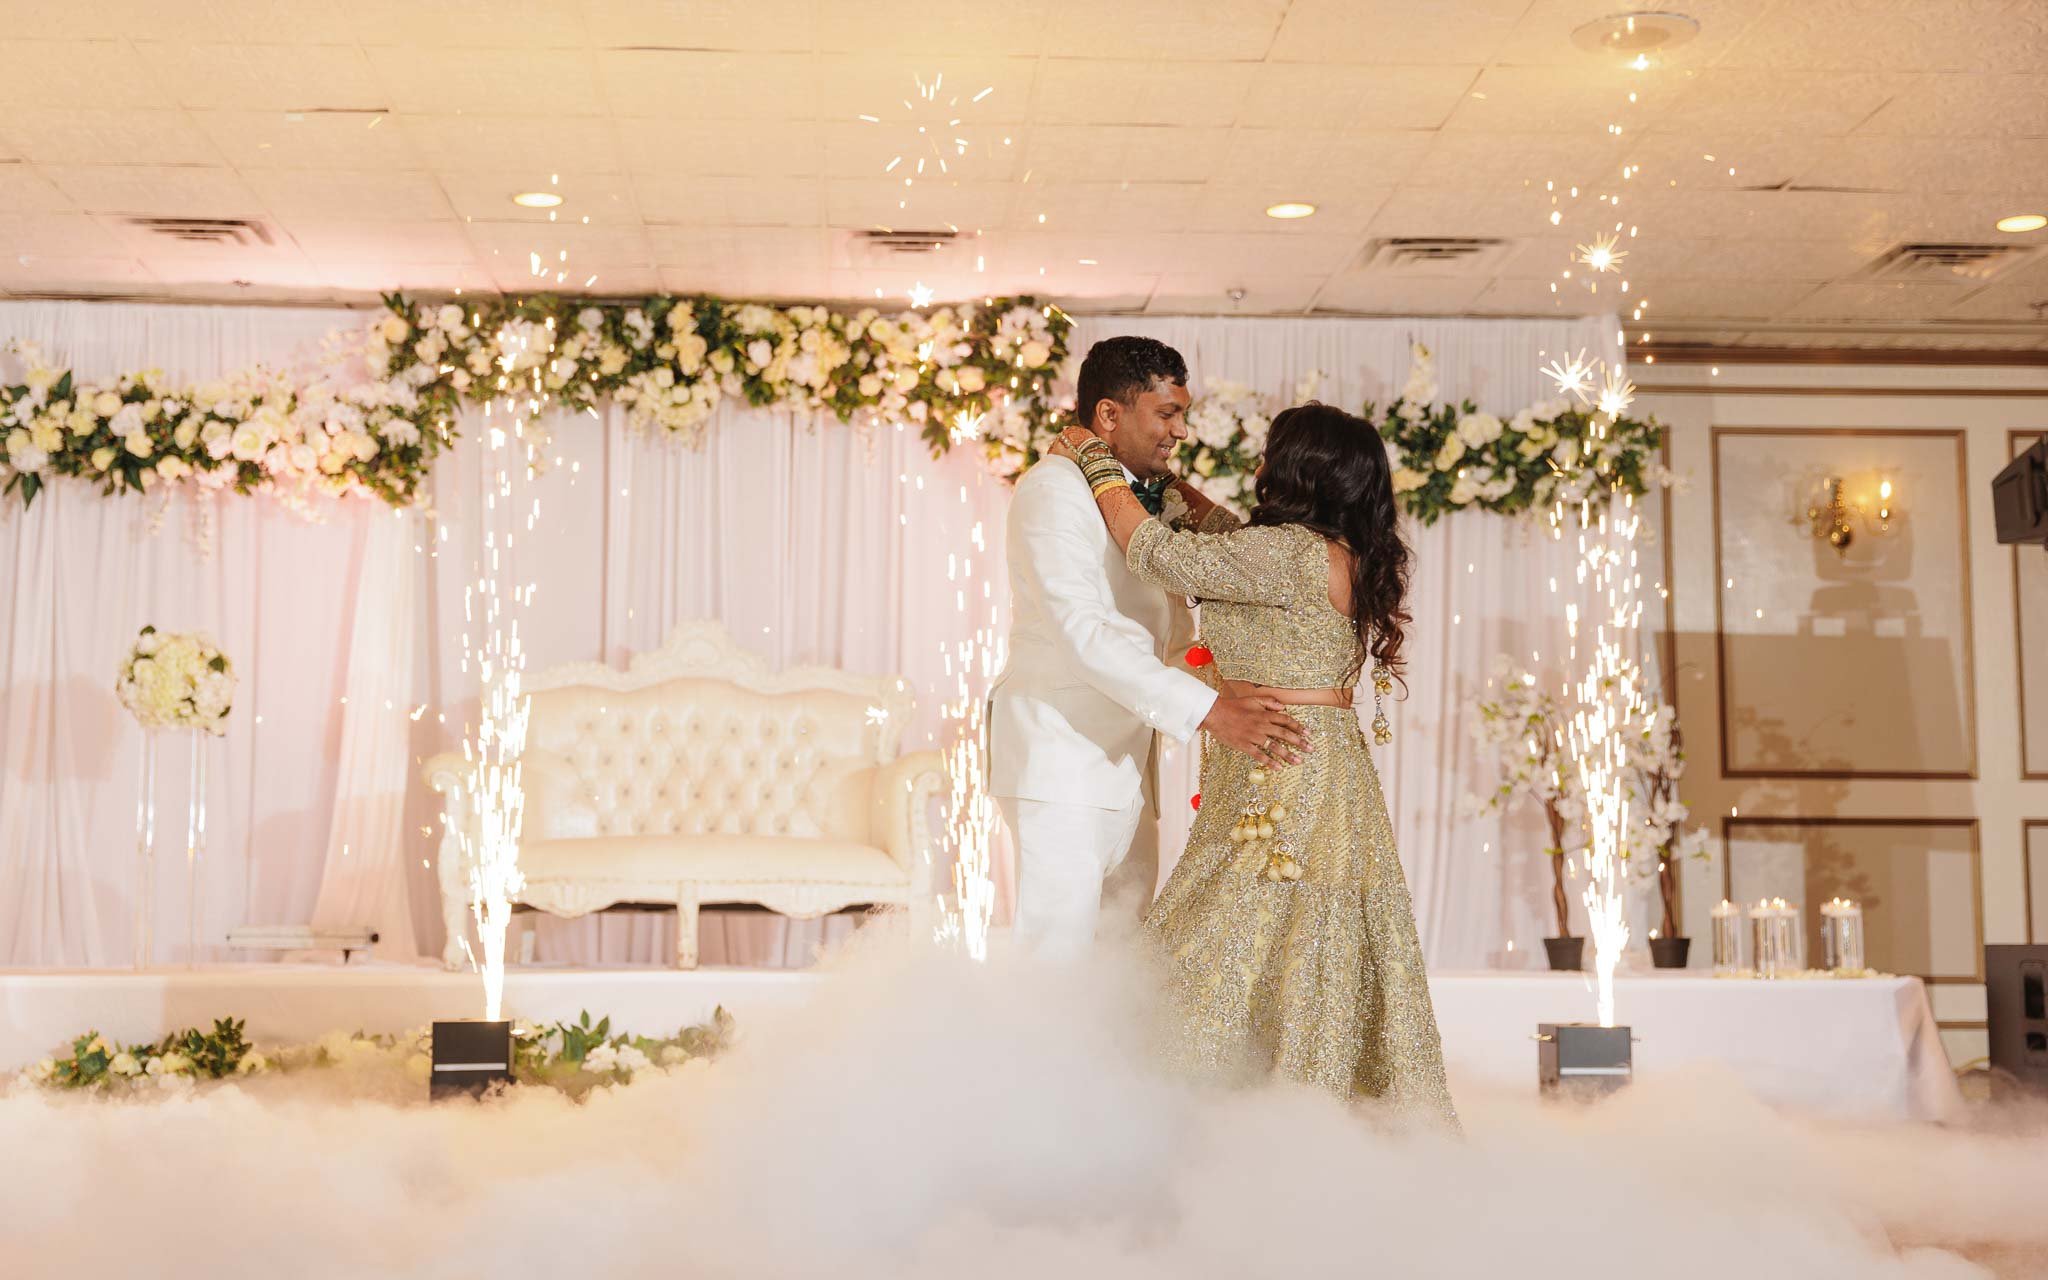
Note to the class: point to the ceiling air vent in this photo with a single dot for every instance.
(1948, 262)
(210, 231)
(1433, 255)
(883, 240)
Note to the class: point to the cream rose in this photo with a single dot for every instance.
(394, 328)
(106, 404)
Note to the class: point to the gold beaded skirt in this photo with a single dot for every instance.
(1289, 935)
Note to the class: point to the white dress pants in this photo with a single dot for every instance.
(1077, 865)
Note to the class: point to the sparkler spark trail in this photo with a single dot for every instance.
(1572, 374)
(971, 813)
(1608, 709)
(511, 509)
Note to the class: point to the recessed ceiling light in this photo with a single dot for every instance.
(536, 199)
(1290, 209)
(1636, 33)
(2023, 222)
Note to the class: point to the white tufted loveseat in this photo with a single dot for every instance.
(698, 776)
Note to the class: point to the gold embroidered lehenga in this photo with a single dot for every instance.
(1317, 979)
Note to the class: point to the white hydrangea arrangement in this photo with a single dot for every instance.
(176, 680)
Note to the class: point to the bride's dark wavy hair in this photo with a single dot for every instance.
(1327, 470)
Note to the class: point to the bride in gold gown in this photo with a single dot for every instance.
(1287, 926)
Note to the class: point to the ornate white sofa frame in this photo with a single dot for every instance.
(697, 776)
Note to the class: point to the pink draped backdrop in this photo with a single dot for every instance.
(813, 542)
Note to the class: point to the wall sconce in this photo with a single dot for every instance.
(1832, 515)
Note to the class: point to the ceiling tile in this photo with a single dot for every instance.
(1933, 165)
(1385, 32)
(264, 77)
(1721, 297)
(1338, 160)
(253, 22)
(1106, 206)
(57, 235)
(156, 190)
(1123, 153)
(91, 136)
(720, 25)
(1073, 91)
(398, 243)
(1209, 292)
(96, 73)
(487, 197)
(1897, 35)
(923, 30)
(73, 277)
(731, 148)
(587, 144)
(862, 150)
(1339, 210)
(308, 140)
(1376, 294)
(1742, 100)
(2004, 302)
(712, 201)
(425, 79)
(1515, 99)
(1177, 31)
(23, 190)
(693, 86)
(346, 194)
(1963, 106)
(468, 24)
(878, 202)
(1867, 301)
(573, 248)
(1372, 99)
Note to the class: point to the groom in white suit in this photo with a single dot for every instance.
(1075, 716)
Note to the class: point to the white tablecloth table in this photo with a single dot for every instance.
(1864, 1048)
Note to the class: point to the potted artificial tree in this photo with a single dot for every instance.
(1661, 839)
(1524, 724)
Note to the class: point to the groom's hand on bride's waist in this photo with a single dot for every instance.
(1259, 727)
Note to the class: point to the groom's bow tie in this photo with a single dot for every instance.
(1152, 493)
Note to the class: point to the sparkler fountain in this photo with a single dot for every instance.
(469, 1057)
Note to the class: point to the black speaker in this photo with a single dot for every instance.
(2019, 497)
(2016, 996)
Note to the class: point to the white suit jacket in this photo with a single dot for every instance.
(1072, 717)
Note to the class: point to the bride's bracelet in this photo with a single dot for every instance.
(1099, 466)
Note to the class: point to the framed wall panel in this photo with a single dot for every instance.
(1852, 663)
(2034, 876)
(2030, 634)
(1918, 879)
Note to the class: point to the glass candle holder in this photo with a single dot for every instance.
(1727, 938)
(1841, 936)
(1776, 942)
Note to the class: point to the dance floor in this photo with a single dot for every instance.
(1860, 1049)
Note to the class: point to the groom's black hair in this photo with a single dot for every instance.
(1122, 369)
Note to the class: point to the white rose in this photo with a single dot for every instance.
(1407, 480)
(394, 328)
(249, 442)
(870, 386)
(102, 457)
(1452, 450)
(721, 360)
(1477, 429)
(138, 443)
(124, 1064)
(972, 378)
(906, 379)
(448, 317)
(1034, 354)
(173, 468)
(759, 352)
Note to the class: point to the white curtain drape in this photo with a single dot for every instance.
(813, 542)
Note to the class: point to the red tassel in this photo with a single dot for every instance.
(1196, 801)
(1199, 655)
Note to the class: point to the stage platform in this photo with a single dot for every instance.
(1865, 1048)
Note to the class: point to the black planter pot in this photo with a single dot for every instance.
(1669, 953)
(1566, 953)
